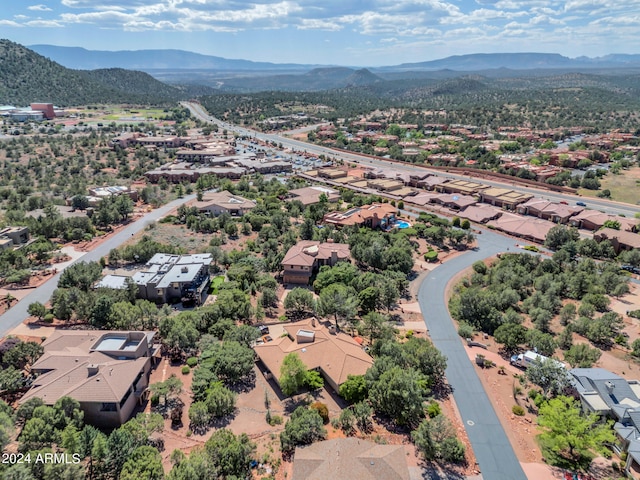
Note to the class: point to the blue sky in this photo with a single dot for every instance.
(343, 32)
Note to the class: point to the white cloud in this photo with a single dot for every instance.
(10, 23)
(44, 23)
(40, 8)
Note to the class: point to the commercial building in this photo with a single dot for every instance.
(106, 372)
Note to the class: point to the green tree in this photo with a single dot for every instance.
(230, 455)
(582, 355)
(436, 440)
(354, 389)
(304, 427)
(299, 302)
(37, 309)
(399, 394)
(292, 374)
(550, 375)
(220, 400)
(560, 235)
(510, 335)
(199, 416)
(144, 463)
(229, 361)
(570, 438)
(338, 301)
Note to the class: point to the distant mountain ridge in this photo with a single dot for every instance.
(168, 59)
(83, 59)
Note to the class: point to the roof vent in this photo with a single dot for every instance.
(184, 269)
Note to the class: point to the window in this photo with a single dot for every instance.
(109, 407)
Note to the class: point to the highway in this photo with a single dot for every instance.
(606, 206)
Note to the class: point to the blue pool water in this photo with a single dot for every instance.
(402, 224)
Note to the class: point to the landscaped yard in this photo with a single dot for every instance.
(215, 283)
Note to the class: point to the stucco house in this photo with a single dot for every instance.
(107, 372)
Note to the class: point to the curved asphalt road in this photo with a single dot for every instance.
(494, 453)
(18, 313)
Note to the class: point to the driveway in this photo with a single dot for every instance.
(495, 455)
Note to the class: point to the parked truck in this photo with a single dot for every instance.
(523, 360)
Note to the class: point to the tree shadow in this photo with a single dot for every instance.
(246, 385)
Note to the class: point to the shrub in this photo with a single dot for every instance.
(192, 361)
(455, 221)
(275, 420)
(518, 410)
(465, 330)
(465, 224)
(48, 318)
(155, 399)
(322, 409)
(433, 409)
(186, 369)
(431, 256)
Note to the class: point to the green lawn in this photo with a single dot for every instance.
(215, 283)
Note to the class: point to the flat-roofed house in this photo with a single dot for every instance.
(463, 187)
(335, 355)
(503, 197)
(305, 258)
(107, 372)
(611, 396)
(17, 235)
(168, 277)
(217, 203)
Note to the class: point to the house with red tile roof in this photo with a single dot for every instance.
(307, 256)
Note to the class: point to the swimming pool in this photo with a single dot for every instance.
(402, 224)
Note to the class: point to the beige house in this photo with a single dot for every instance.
(106, 371)
(620, 239)
(375, 215)
(350, 459)
(334, 355)
(311, 195)
(306, 257)
(217, 203)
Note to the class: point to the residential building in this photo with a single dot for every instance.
(619, 239)
(17, 235)
(350, 459)
(480, 213)
(554, 212)
(455, 202)
(527, 228)
(311, 195)
(106, 372)
(335, 355)
(306, 257)
(174, 277)
(594, 220)
(375, 215)
(217, 203)
(503, 197)
(611, 396)
(461, 186)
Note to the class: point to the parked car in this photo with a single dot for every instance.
(263, 329)
(267, 339)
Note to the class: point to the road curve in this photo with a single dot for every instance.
(494, 453)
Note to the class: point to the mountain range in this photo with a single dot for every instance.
(146, 60)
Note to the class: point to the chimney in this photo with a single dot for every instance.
(610, 387)
(92, 369)
(334, 257)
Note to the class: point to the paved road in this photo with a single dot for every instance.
(18, 313)
(494, 453)
(594, 203)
